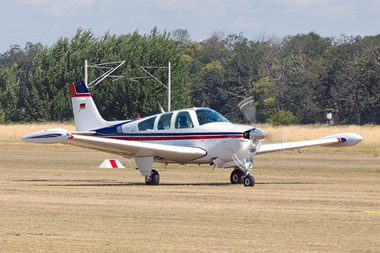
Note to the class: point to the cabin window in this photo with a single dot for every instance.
(146, 124)
(183, 120)
(164, 122)
(206, 115)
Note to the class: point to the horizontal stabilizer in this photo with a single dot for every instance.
(48, 136)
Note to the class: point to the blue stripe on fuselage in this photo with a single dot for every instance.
(167, 134)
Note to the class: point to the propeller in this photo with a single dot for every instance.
(248, 109)
(255, 135)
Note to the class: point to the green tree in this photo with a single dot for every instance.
(265, 99)
(181, 38)
(21, 62)
(61, 64)
(282, 117)
(8, 95)
(300, 77)
(354, 80)
(141, 97)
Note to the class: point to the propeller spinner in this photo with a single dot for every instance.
(255, 134)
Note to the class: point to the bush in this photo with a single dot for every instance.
(282, 117)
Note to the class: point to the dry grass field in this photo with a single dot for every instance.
(53, 198)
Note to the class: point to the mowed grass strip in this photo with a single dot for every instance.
(55, 199)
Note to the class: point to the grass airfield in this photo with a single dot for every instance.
(54, 198)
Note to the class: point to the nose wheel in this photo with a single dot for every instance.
(238, 177)
(249, 180)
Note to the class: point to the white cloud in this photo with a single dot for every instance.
(194, 8)
(47, 20)
(57, 8)
(304, 3)
(175, 5)
(334, 9)
(336, 12)
(240, 24)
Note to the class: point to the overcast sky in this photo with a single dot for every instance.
(46, 21)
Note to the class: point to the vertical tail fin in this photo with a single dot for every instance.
(86, 115)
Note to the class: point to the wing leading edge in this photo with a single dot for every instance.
(137, 149)
(336, 140)
(179, 154)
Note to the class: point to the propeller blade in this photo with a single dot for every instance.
(255, 135)
(247, 108)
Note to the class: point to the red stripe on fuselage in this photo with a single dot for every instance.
(83, 95)
(171, 138)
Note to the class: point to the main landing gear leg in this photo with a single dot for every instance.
(145, 164)
(249, 180)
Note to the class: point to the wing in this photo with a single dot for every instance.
(336, 140)
(179, 154)
(162, 152)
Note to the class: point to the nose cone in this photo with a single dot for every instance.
(256, 134)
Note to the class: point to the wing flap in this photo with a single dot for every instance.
(179, 154)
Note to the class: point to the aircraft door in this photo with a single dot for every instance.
(164, 123)
(183, 121)
(183, 129)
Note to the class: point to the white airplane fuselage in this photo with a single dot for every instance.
(220, 140)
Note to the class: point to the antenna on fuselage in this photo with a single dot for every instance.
(162, 110)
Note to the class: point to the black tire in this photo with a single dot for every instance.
(249, 180)
(154, 179)
(237, 176)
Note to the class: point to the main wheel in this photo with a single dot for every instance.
(249, 180)
(237, 176)
(153, 179)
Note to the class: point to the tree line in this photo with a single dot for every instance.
(292, 80)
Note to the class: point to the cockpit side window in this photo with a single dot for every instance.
(164, 122)
(146, 124)
(183, 120)
(206, 115)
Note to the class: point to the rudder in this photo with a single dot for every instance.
(86, 115)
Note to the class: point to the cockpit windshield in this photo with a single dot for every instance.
(206, 115)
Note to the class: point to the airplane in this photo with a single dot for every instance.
(186, 136)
